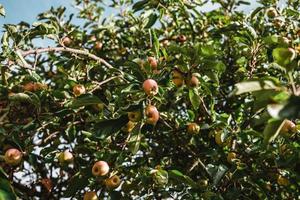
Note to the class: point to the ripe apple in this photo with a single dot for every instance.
(113, 182)
(288, 127)
(231, 156)
(65, 157)
(193, 82)
(78, 90)
(152, 114)
(271, 12)
(29, 87)
(13, 157)
(193, 128)
(134, 116)
(177, 78)
(181, 38)
(152, 62)
(90, 196)
(100, 168)
(282, 181)
(150, 87)
(98, 46)
(66, 41)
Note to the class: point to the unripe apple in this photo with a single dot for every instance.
(152, 62)
(218, 138)
(66, 41)
(90, 196)
(193, 128)
(231, 156)
(134, 116)
(177, 78)
(152, 114)
(288, 127)
(100, 168)
(113, 182)
(128, 127)
(65, 157)
(181, 38)
(78, 90)
(150, 87)
(98, 46)
(282, 181)
(271, 12)
(193, 82)
(13, 157)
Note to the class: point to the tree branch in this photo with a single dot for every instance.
(66, 49)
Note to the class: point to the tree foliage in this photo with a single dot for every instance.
(228, 101)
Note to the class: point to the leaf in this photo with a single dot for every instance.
(251, 86)
(2, 10)
(84, 100)
(76, 183)
(108, 127)
(6, 190)
(139, 5)
(155, 42)
(272, 130)
(217, 172)
(151, 20)
(194, 98)
(177, 175)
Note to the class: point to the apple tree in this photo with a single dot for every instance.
(163, 100)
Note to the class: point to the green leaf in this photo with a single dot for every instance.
(135, 139)
(76, 183)
(251, 86)
(177, 175)
(84, 100)
(6, 190)
(151, 20)
(139, 5)
(272, 130)
(2, 10)
(108, 127)
(194, 98)
(155, 42)
(217, 172)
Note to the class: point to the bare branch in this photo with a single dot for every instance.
(66, 49)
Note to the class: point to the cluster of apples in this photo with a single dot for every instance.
(67, 41)
(178, 78)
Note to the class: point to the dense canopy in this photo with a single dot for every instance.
(161, 100)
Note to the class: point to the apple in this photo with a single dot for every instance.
(152, 62)
(288, 127)
(152, 114)
(65, 157)
(218, 138)
(282, 181)
(100, 168)
(90, 196)
(98, 46)
(128, 127)
(177, 78)
(134, 116)
(113, 182)
(193, 128)
(66, 41)
(13, 157)
(271, 12)
(150, 87)
(231, 156)
(193, 82)
(181, 38)
(29, 87)
(78, 90)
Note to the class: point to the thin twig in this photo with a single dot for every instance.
(103, 82)
(66, 49)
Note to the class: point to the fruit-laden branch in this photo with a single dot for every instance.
(66, 49)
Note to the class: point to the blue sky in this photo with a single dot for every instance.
(27, 10)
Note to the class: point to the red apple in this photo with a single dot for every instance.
(150, 87)
(152, 114)
(13, 157)
(100, 168)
